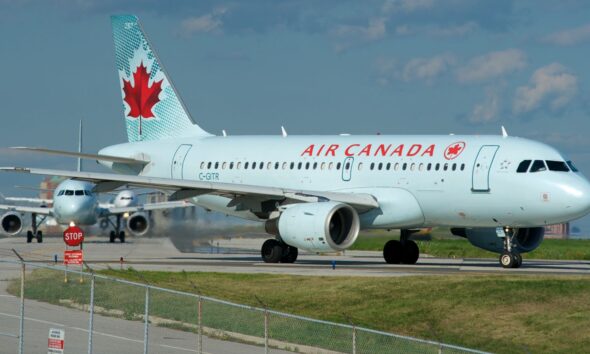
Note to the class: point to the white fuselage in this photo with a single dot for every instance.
(419, 181)
(74, 202)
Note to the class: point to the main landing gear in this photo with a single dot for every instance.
(35, 233)
(117, 233)
(404, 251)
(274, 251)
(510, 258)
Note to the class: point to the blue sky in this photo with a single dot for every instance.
(326, 67)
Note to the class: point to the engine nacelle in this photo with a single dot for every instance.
(138, 224)
(317, 227)
(525, 239)
(11, 223)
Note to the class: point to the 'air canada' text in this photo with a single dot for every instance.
(369, 150)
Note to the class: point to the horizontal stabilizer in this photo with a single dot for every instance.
(83, 155)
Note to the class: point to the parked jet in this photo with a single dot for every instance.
(75, 203)
(317, 192)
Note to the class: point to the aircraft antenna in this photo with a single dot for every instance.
(504, 132)
(224, 132)
(283, 131)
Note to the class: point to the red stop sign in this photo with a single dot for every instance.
(73, 236)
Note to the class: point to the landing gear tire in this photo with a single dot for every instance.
(112, 237)
(411, 252)
(507, 260)
(289, 254)
(517, 260)
(393, 252)
(122, 236)
(271, 251)
(29, 236)
(39, 237)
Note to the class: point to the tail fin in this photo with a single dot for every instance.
(153, 109)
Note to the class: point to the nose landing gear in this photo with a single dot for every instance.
(510, 258)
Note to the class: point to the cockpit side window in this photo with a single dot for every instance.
(87, 192)
(538, 166)
(79, 192)
(60, 192)
(572, 166)
(523, 166)
(559, 166)
(69, 192)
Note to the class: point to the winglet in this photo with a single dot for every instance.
(504, 132)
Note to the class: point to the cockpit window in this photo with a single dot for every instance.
(523, 166)
(87, 192)
(61, 192)
(538, 166)
(79, 192)
(572, 166)
(69, 192)
(559, 166)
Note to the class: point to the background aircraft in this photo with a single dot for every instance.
(317, 192)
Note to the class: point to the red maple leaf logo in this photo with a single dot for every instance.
(141, 98)
(454, 150)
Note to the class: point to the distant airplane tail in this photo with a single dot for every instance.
(152, 107)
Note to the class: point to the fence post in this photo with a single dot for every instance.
(349, 319)
(200, 326)
(266, 315)
(91, 320)
(146, 320)
(22, 304)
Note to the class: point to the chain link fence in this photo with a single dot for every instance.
(206, 321)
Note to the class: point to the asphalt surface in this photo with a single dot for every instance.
(242, 256)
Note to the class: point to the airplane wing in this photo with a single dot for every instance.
(183, 189)
(26, 209)
(149, 206)
(82, 155)
(28, 200)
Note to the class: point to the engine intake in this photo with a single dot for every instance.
(138, 224)
(11, 223)
(525, 239)
(317, 227)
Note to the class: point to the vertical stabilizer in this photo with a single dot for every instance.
(152, 107)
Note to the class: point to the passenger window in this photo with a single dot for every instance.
(202, 165)
(454, 167)
(209, 165)
(253, 165)
(347, 166)
(224, 165)
(437, 167)
(323, 166)
(462, 166)
(268, 165)
(299, 166)
(315, 165)
(421, 167)
(404, 166)
(284, 165)
(238, 165)
(428, 167)
(559, 166)
(246, 165)
(338, 165)
(380, 166)
(388, 166)
(360, 166)
(396, 166)
(412, 166)
(261, 164)
(231, 165)
(523, 166)
(292, 166)
(538, 166)
(307, 165)
(216, 165)
(572, 166)
(69, 192)
(330, 165)
(372, 165)
(79, 192)
(276, 165)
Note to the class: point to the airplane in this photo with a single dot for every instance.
(316, 193)
(75, 203)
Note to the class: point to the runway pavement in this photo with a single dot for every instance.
(242, 256)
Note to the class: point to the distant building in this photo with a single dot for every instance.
(557, 231)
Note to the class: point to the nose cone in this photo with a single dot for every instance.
(577, 197)
(78, 210)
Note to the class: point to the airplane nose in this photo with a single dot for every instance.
(578, 197)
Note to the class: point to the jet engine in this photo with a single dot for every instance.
(317, 227)
(11, 223)
(525, 239)
(138, 224)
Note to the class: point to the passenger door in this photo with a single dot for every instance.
(480, 180)
(347, 169)
(178, 160)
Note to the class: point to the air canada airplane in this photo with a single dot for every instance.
(75, 203)
(316, 193)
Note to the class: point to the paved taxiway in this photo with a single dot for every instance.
(242, 256)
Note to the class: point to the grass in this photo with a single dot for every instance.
(447, 246)
(504, 313)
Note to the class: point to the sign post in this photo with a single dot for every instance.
(73, 237)
(55, 341)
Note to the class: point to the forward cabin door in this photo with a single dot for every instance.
(480, 180)
(178, 160)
